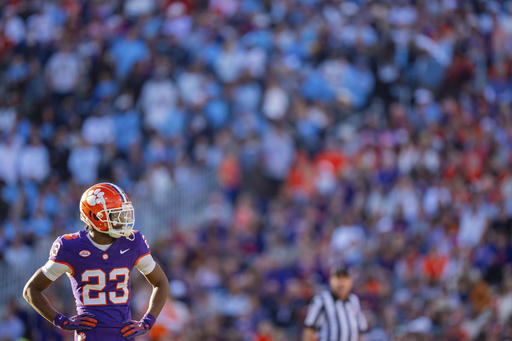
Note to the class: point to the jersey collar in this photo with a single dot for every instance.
(102, 247)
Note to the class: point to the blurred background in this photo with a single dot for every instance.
(262, 141)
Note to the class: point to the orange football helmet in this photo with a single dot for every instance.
(106, 208)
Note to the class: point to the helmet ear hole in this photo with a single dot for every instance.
(93, 215)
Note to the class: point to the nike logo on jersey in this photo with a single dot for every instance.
(123, 251)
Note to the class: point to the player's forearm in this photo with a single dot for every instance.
(308, 335)
(160, 284)
(158, 299)
(40, 303)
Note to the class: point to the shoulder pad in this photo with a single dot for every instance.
(69, 239)
(71, 236)
(136, 234)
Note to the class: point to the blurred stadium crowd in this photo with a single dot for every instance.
(376, 132)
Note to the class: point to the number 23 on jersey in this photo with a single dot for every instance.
(100, 297)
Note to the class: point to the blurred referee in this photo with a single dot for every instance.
(335, 314)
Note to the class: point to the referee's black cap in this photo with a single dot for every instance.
(340, 270)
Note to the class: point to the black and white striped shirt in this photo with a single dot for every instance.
(334, 319)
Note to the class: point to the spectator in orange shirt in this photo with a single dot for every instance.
(175, 315)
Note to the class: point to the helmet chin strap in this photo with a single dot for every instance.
(130, 237)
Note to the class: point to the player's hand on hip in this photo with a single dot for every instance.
(137, 328)
(77, 322)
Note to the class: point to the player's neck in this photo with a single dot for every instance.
(101, 238)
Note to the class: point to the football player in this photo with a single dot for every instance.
(98, 261)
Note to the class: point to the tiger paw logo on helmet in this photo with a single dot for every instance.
(95, 197)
